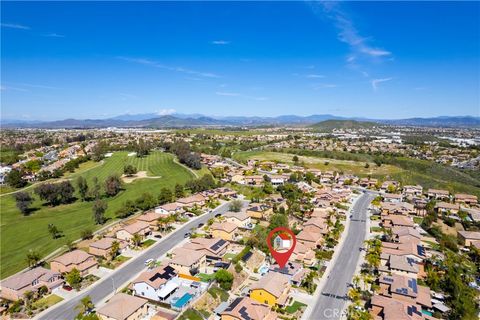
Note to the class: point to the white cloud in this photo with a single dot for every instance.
(376, 82)
(347, 32)
(228, 94)
(15, 26)
(220, 42)
(166, 112)
(320, 86)
(236, 94)
(312, 76)
(156, 64)
(53, 35)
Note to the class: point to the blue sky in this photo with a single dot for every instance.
(367, 59)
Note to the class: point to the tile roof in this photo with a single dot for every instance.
(121, 306)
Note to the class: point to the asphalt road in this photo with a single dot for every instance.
(108, 285)
(333, 297)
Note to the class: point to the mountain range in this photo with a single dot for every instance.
(152, 120)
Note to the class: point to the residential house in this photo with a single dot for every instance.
(404, 288)
(192, 201)
(151, 217)
(413, 191)
(224, 230)
(127, 232)
(14, 287)
(438, 194)
(255, 180)
(170, 209)
(188, 262)
(388, 308)
(123, 307)
(466, 198)
(214, 248)
(446, 207)
(392, 197)
(403, 265)
(468, 238)
(259, 211)
(241, 219)
(304, 254)
(76, 259)
(394, 220)
(245, 308)
(103, 247)
(155, 284)
(402, 208)
(272, 289)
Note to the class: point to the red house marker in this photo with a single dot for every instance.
(281, 257)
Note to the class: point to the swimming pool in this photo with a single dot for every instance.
(263, 269)
(428, 313)
(180, 303)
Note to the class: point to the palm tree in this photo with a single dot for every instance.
(28, 295)
(33, 257)
(356, 280)
(114, 249)
(85, 305)
(136, 239)
(353, 294)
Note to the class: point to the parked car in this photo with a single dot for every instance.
(67, 287)
(148, 261)
(158, 236)
(201, 225)
(187, 235)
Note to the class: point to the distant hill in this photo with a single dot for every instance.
(461, 122)
(329, 125)
(177, 120)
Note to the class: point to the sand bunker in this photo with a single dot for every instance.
(138, 175)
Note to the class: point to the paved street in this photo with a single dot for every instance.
(333, 296)
(106, 286)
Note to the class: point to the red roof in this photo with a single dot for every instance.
(284, 236)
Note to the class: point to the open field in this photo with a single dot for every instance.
(406, 171)
(20, 233)
(345, 166)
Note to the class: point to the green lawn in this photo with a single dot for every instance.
(218, 292)
(147, 243)
(47, 301)
(190, 314)
(229, 256)
(418, 220)
(206, 277)
(294, 307)
(20, 233)
(119, 260)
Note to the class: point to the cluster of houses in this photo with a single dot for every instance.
(51, 158)
(403, 252)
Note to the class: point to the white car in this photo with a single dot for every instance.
(148, 261)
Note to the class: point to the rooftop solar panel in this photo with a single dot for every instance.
(243, 313)
(233, 304)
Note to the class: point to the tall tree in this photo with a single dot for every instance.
(23, 202)
(98, 209)
(113, 185)
(165, 196)
(82, 186)
(179, 191)
(33, 257)
(14, 179)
